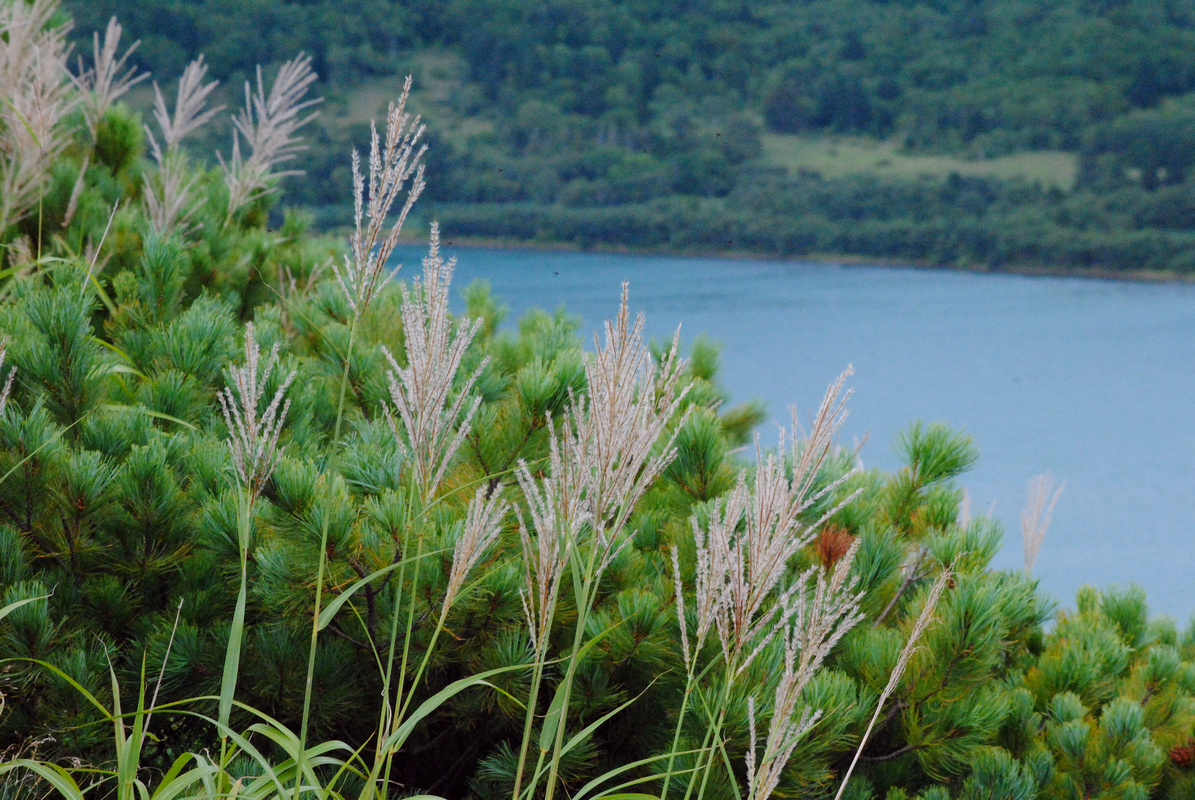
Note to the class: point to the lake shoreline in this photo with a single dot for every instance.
(845, 260)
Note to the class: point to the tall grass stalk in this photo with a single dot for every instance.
(611, 447)
(742, 554)
(321, 570)
(395, 167)
(923, 621)
(253, 444)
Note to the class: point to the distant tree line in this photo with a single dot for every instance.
(609, 109)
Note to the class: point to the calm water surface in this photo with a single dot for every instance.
(1090, 380)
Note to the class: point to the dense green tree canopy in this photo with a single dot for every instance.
(653, 114)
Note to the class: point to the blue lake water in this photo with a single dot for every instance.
(1091, 380)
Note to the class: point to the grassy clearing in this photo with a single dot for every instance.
(439, 80)
(836, 157)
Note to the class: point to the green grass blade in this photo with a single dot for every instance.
(547, 733)
(584, 791)
(11, 607)
(57, 435)
(28, 129)
(146, 411)
(123, 369)
(396, 739)
(176, 782)
(90, 277)
(589, 729)
(243, 744)
(52, 774)
(232, 655)
(329, 611)
(74, 683)
(110, 346)
(129, 756)
(232, 659)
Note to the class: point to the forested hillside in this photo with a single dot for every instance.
(655, 124)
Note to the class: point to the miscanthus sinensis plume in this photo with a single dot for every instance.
(253, 433)
(614, 436)
(269, 125)
(394, 168)
(557, 516)
(108, 78)
(170, 199)
(12, 373)
(483, 523)
(824, 607)
(39, 95)
(1035, 518)
(428, 412)
(744, 549)
(602, 457)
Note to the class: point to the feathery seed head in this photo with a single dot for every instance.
(169, 196)
(394, 167)
(429, 417)
(744, 551)
(601, 460)
(558, 515)
(104, 83)
(12, 373)
(269, 125)
(816, 613)
(543, 566)
(613, 435)
(1035, 519)
(189, 112)
(483, 522)
(680, 606)
(253, 434)
(34, 80)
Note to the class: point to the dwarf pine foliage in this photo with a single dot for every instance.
(272, 523)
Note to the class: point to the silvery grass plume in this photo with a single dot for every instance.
(38, 94)
(394, 167)
(1035, 519)
(168, 199)
(601, 459)
(964, 510)
(483, 523)
(269, 126)
(744, 550)
(428, 421)
(923, 621)
(557, 514)
(12, 373)
(817, 617)
(108, 79)
(253, 435)
(613, 434)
